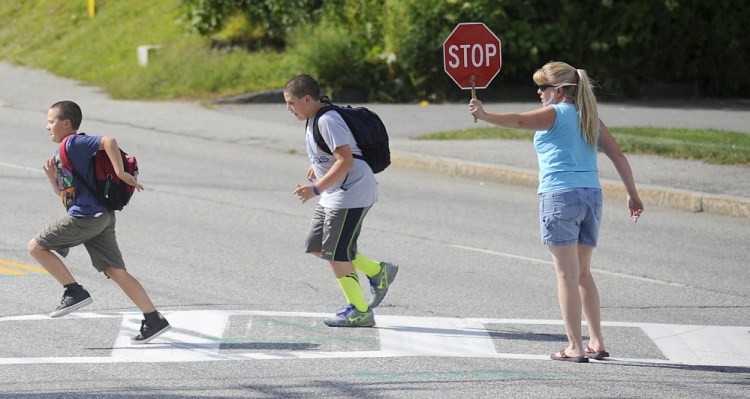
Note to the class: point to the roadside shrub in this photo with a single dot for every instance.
(418, 30)
(626, 45)
(390, 50)
(267, 22)
(638, 44)
(393, 48)
(345, 52)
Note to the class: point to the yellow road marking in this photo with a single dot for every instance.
(10, 271)
(35, 269)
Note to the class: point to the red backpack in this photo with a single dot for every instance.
(112, 192)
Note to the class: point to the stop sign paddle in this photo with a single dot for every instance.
(472, 56)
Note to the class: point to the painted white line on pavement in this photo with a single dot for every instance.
(10, 165)
(705, 345)
(423, 336)
(503, 254)
(548, 262)
(196, 336)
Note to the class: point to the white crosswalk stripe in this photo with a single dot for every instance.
(188, 340)
(423, 336)
(197, 335)
(704, 345)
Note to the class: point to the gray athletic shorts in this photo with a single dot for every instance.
(334, 232)
(97, 234)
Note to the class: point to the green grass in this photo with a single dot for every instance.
(59, 36)
(712, 146)
(480, 133)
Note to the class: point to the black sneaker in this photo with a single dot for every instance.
(150, 332)
(70, 303)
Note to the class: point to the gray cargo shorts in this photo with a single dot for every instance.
(97, 234)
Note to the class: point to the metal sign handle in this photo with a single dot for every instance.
(473, 92)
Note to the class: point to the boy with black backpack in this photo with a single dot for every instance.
(347, 189)
(87, 221)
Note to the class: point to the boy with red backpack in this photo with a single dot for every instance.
(87, 221)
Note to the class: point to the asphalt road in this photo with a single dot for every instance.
(216, 239)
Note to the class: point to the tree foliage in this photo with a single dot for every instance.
(275, 18)
(393, 48)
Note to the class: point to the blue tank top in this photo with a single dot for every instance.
(565, 158)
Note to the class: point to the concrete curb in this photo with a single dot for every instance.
(691, 201)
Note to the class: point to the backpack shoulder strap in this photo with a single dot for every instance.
(64, 154)
(344, 115)
(316, 129)
(67, 164)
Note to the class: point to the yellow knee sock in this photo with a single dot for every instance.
(352, 291)
(366, 265)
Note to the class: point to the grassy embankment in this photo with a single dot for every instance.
(59, 36)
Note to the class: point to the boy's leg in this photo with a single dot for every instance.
(380, 274)
(357, 313)
(337, 235)
(50, 262)
(106, 258)
(366, 265)
(132, 288)
(154, 324)
(349, 283)
(60, 236)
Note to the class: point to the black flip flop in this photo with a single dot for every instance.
(565, 358)
(595, 355)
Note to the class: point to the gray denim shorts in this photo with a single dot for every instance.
(97, 234)
(334, 232)
(570, 216)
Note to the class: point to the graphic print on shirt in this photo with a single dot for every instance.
(322, 159)
(65, 184)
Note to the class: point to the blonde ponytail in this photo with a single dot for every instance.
(576, 86)
(588, 115)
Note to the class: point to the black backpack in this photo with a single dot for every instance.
(368, 130)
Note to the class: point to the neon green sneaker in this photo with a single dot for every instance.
(351, 317)
(380, 282)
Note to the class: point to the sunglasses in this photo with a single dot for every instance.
(544, 87)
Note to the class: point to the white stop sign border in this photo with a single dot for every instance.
(474, 55)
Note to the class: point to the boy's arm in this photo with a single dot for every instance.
(109, 145)
(339, 169)
(50, 168)
(342, 165)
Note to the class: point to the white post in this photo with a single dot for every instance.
(143, 53)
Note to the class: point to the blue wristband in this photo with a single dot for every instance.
(315, 189)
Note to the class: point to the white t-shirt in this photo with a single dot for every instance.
(358, 188)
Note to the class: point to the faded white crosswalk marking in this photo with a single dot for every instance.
(198, 335)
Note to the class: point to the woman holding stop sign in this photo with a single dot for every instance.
(568, 132)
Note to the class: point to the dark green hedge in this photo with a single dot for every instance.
(393, 48)
(630, 47)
